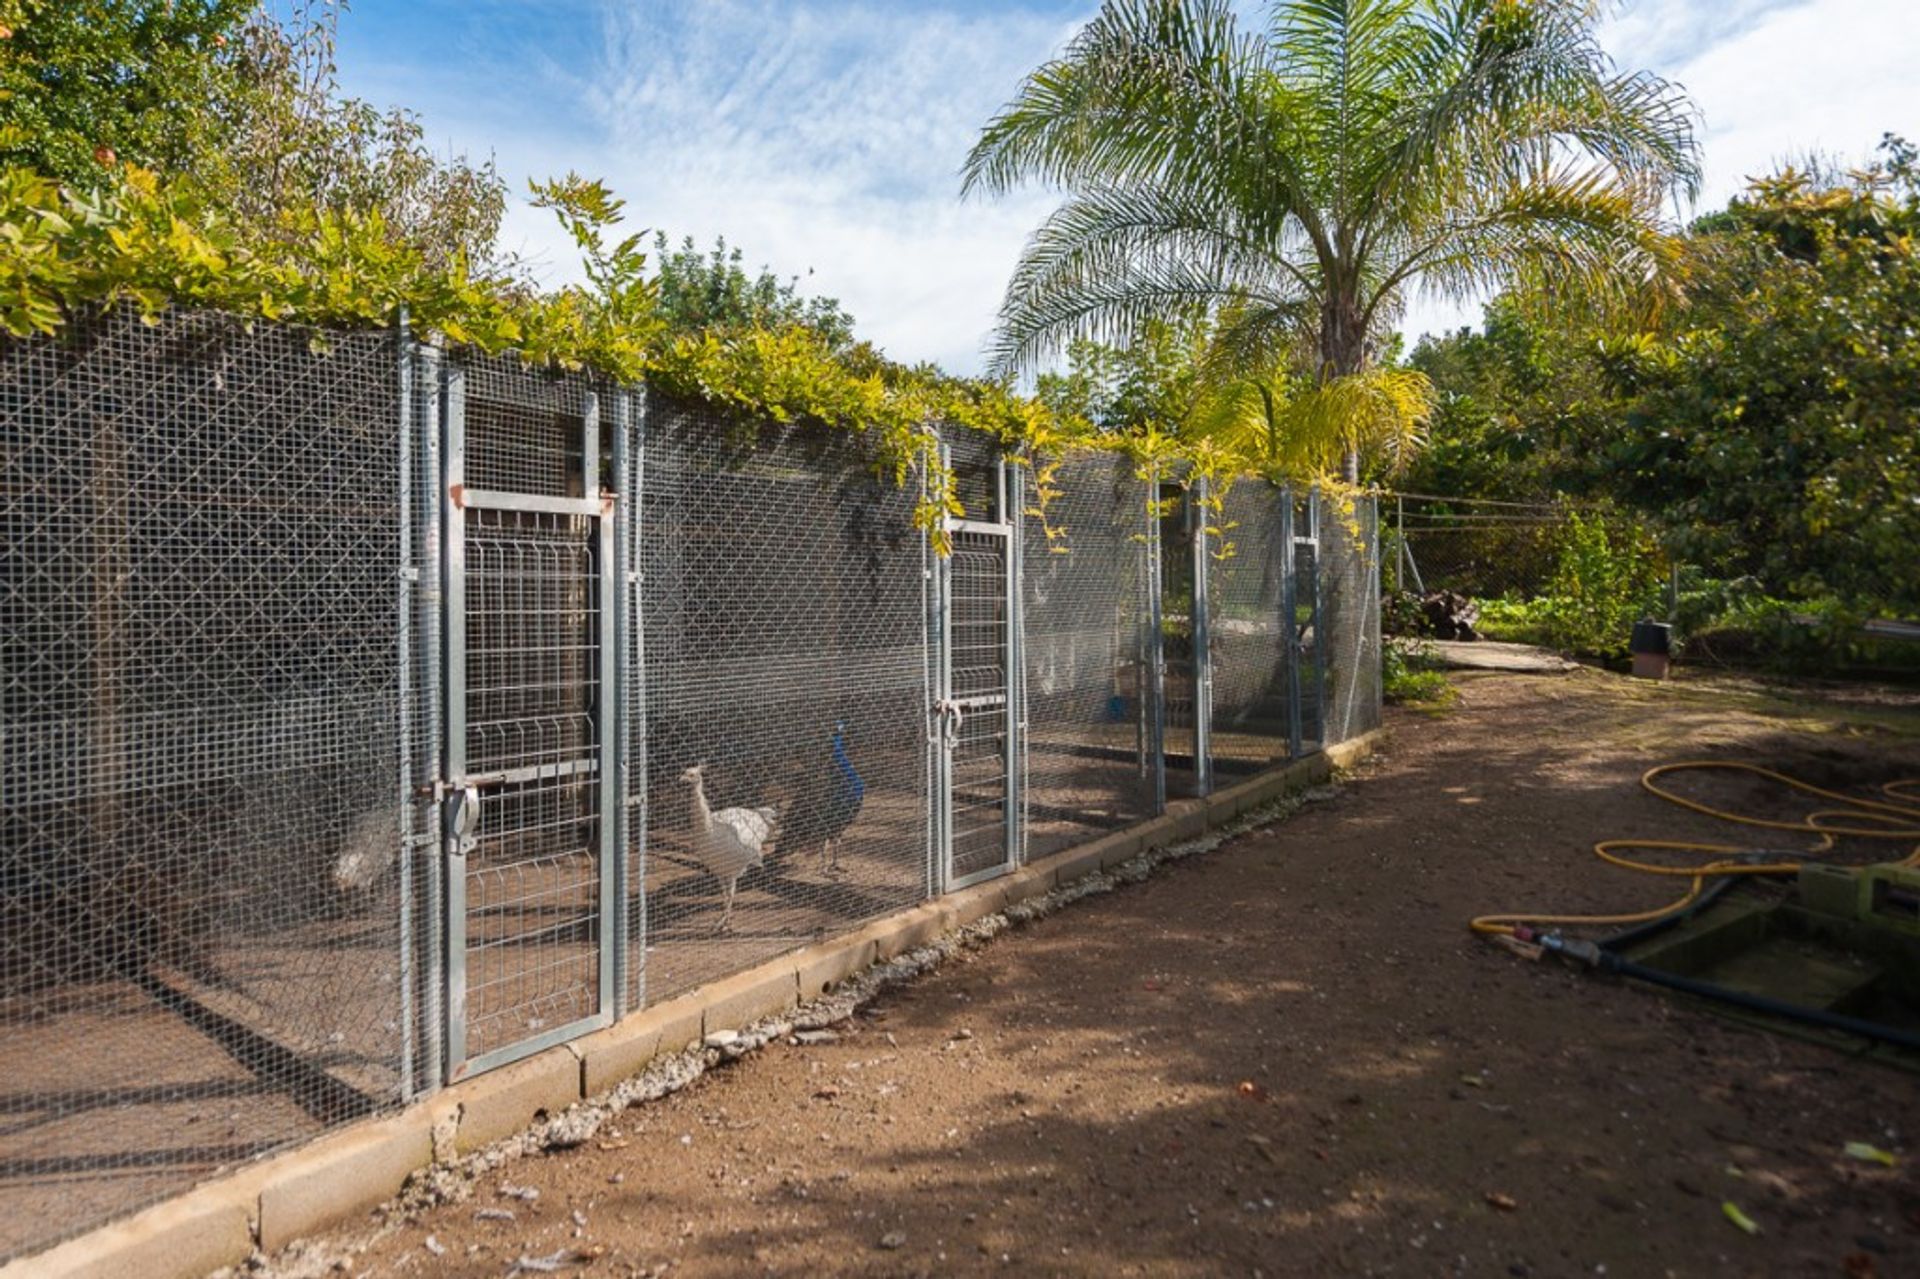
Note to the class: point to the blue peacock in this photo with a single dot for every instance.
(828, 802)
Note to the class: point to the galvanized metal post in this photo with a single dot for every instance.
(633, 732)
(1320, 644)
(1290, 621)
(1154, 690)
(940, 869)
(1197, 499)
(620, 417)
(606, 708)
(407, 577)
(426, 425)
(1012, 484)
(454, 596)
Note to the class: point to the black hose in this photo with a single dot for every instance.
(1760, 1003)
(1653, 927)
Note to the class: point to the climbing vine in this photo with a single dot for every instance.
(151, 244)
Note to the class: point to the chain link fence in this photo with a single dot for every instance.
(1476, 547)
(372, 715)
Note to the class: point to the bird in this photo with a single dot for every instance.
(827, 804)
(846, 792)
(730, 842)
(367, 851)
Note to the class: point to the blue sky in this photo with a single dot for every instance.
(824, 136)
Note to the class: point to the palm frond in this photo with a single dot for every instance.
(1175, 250)
(1297, 426)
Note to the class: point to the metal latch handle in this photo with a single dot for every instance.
(951, 718)
(462, 816)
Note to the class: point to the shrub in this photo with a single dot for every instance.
(1406, 678)
(1603, 582)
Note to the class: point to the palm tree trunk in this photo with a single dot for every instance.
(1343, 353)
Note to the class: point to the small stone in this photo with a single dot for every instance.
(893, 1239)
(814, 1038)
(722, 1038)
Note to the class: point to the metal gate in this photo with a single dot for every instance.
(977, 798)
(530, 819)
(1306, 637)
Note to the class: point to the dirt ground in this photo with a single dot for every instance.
(1289, 1057)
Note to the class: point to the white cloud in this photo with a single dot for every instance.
(827, 137)
(825, 140)
(1774, 80)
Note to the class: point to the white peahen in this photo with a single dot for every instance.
(729, 842)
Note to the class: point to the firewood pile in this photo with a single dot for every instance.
(1450, 615)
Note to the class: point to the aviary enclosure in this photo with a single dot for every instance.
(374, 715)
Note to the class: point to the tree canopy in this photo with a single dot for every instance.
(1767, 424)
(1293, 180)
(712, 290)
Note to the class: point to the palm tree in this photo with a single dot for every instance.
(1297, 181)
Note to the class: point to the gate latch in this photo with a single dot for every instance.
(462, 815)
(951, 718)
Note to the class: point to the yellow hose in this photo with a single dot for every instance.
(1897, 816)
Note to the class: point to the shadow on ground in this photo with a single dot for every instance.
(1289, 1057)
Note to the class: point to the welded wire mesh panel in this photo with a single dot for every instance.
(532, 693)
(1085, 653)
(784, 634)
(1247, 629)
(200, 951)
(1309, 628)
(977, 639)
(1351, 597)
(1179, 521)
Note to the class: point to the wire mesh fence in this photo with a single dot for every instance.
(374, 714)
(785, 619)
(200, 934)
(1090, 759)
(1254, 657)
(1478, 548)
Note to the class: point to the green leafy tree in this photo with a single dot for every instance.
(712, 290)
(1773, 429)
(242, 103)
(1296, 180)
(87, 84)
(292, 144)
(1525, 407)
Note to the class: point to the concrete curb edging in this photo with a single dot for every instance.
(297, 1193)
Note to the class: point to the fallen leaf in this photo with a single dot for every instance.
(1505, 1203)
(1870, 1154)
(622, 1144)
(1738, 1218)
(1473, 1081)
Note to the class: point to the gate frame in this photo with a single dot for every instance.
(457, 817)
(1006, 527)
